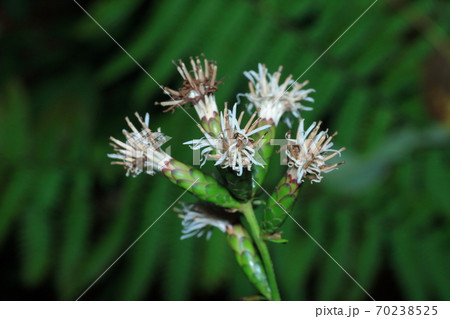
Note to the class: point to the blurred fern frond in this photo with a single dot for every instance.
(68, 215)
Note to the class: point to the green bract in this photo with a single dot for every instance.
(201, 185)
(279, 204)
(248, 258)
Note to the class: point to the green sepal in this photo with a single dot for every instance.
(205, 187)
(239, 186)
(285, 194)
(264, 153)
(212, 125)
(248, 259)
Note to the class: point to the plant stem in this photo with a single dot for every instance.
(249, 214)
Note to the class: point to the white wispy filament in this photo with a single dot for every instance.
(196, 221)
(308, 153)
(272, 98)
(142, 150)
(234, 148)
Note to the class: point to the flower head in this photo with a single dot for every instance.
(234, 148)
(142, 149)
(271, 98)
(200, 219)
(198, 89)
(308, 153)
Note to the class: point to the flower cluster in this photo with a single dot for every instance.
(200, 219)
(142, 150)
(234, 148)
(272, 99)
(198, 89)
(308, 153)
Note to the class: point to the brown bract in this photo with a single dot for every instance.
(198, 83)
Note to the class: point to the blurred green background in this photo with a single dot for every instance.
(66, 214)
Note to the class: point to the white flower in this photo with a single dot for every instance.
(308, 153)
(142, 149)
(234, 148)
(198, 89)
(271, 98)
(200, 219)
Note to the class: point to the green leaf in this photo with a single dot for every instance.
(111, 15)
(75, 240)
(13, 201)
(37, 233)
(332, 277)
(113, 240)
(141, 263)
(14, 122)
(147, 37)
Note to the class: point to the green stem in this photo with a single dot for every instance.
(247, 209)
